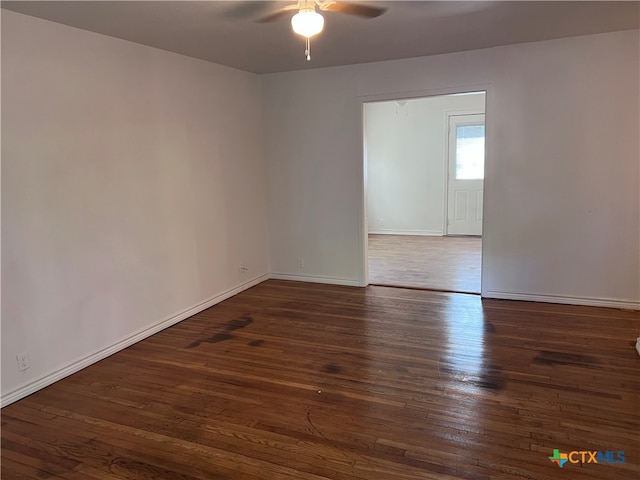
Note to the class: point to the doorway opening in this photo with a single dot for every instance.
(424, 165)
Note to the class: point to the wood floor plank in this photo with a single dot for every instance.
(432, 262)
(306, 381)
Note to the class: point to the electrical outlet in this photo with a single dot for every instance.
(243, 270)
(300, 262)
(23, 361)
(381, 222)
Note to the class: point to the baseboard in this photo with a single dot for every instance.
(74, 367)
(425, 233)
(313, 279)
(586, 301)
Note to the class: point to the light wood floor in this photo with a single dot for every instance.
(439, 263)
(305, 381)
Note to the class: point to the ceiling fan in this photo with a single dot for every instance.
(308, 22)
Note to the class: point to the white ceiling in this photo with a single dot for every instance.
(226, 32)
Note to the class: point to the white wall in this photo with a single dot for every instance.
(132, 190)
(562, 208)
(132, 180)
(406, 145)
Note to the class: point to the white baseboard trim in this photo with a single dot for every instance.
(78, 365)
(425, 233)
(586, 301)
(312, 279)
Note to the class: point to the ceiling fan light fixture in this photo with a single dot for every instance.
(307, 22)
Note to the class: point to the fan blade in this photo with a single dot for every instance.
(277, 15)
(245, 10)
(355, 9)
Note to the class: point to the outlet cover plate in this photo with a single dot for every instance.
(23, 361)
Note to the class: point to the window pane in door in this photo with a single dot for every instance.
(470, 152)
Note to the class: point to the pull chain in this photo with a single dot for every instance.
(307, 52)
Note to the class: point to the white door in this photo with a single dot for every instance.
(465, 174)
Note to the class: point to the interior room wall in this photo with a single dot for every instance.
(562, 211)
(132, 191)
(133, 181)
(406, 145)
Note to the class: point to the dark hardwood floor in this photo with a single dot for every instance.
(305, 381)
(437, 263)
